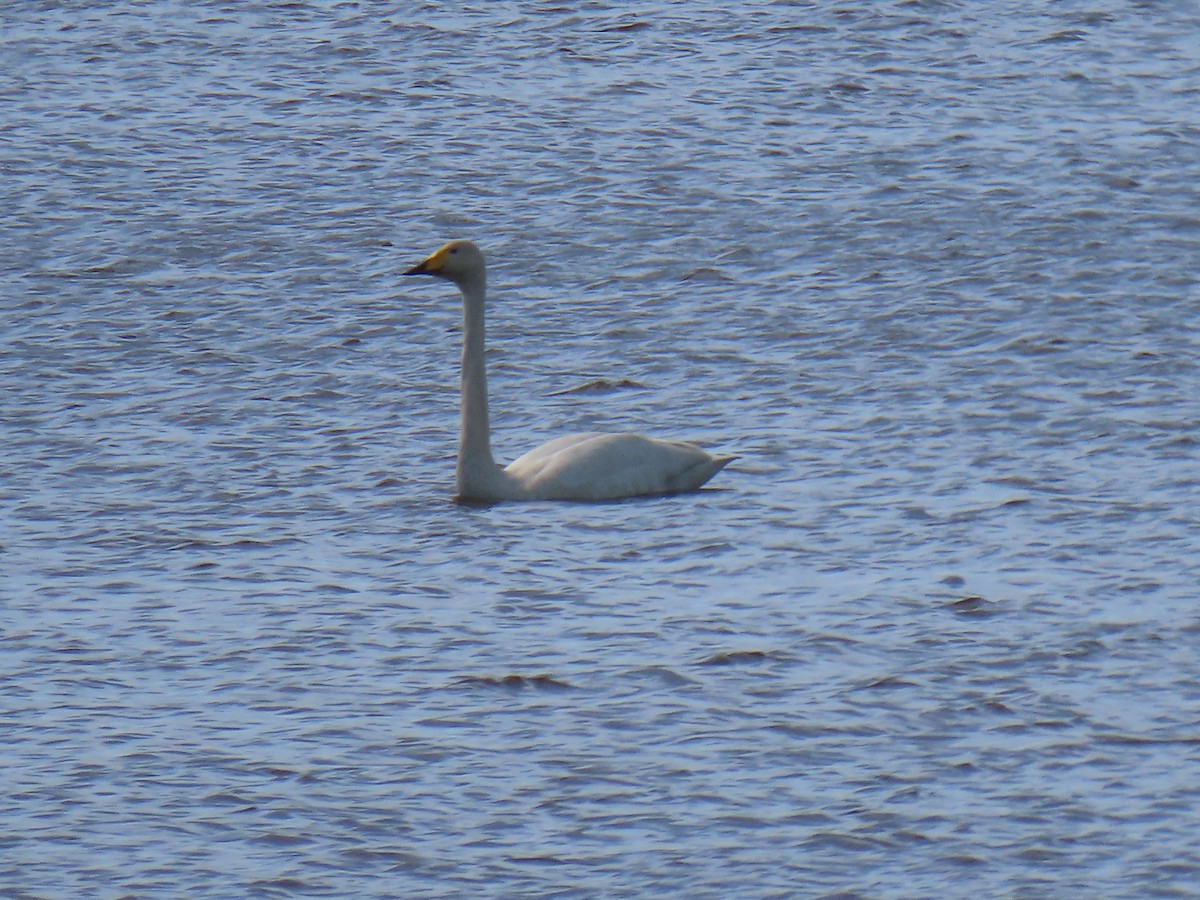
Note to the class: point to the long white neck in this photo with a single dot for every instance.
(478, 476)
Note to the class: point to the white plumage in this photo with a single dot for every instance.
(592, 466)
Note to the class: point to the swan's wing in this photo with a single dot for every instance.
(534, 459)
(607, 466)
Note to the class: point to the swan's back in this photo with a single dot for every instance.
(596, 466)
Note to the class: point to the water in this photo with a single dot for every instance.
(930, 268)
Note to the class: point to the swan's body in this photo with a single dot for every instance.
(590, 466)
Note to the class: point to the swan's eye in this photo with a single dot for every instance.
(453, 249)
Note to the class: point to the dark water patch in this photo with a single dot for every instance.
(601, 386)
(516, 682)
(667, 677)
(974, 606)
(739, 657)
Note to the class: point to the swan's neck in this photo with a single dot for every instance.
(478, 475)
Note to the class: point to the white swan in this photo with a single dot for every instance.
(589, 466)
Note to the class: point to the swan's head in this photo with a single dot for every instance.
(457, 261)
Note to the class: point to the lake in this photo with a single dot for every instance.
(930, 269)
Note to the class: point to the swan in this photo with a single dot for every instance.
(590, 466)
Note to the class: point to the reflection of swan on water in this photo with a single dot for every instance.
(590, 466)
